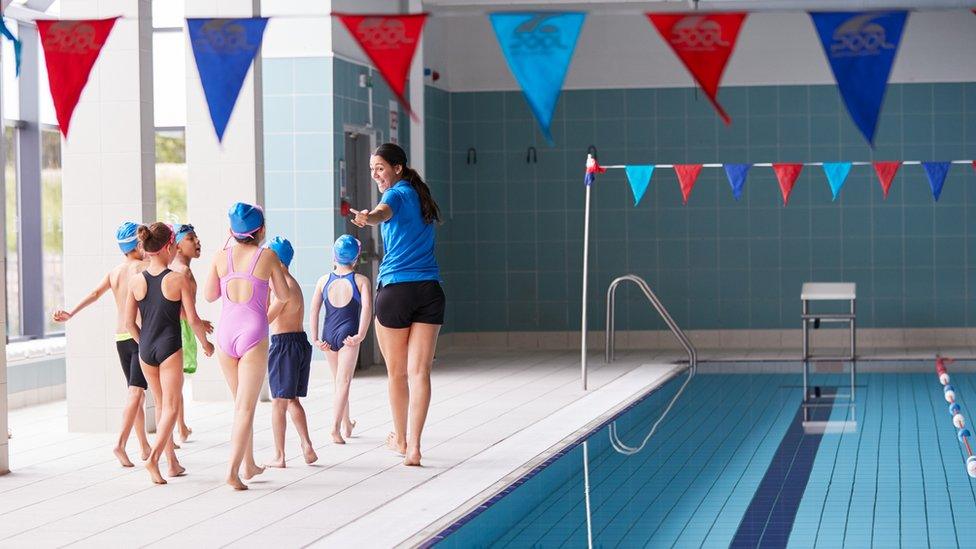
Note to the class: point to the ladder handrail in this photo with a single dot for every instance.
(692, 367)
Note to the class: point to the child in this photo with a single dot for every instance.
(289, 360)
(117, 280)
(187, 249)
(348, 310)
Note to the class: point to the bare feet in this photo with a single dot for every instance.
(349, 426)
(251, 471)
(391, 443)
(278, 462)
(412, 457)
(337, 438)
(122, 457)
(310, 455)
(177, 470)
(185, 433)
(153, 468)
(235, 483)
(146, 450)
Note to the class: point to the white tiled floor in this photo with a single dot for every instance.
(491, 413)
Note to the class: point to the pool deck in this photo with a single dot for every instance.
(491, 415)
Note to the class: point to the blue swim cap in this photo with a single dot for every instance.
(126, 237)
(182, 231)
(346, 250)
(283, 248)
(245, 219)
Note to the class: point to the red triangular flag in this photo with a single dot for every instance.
(687, 175)
(886, 173)
(70, 50)
(704, 43)
(786, 174)
(390, 42)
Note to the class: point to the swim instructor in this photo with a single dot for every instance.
(409, 299)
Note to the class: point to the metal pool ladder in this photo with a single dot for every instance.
(692, 367)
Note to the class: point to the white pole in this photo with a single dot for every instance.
(586, 491)
(586, 272)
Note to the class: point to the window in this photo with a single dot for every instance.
(171, 176)
(13, 233)
(51, 225)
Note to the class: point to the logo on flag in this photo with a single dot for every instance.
(538, 48)
(704, 44)
(861, 49)
(390, 42)
(224, 50)
(70, 51)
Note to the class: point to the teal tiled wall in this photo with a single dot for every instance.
(511, 248)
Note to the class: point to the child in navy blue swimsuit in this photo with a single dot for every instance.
(348, 311)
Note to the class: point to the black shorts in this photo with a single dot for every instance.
(129, 358)
(400, 305)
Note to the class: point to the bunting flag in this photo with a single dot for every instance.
(639, 178)
(687, 175)
(886, 173)
(786, 174)
(224, 50)
(538, 48)
(592, 168)
(18, 45)
(390, 42)
(936, 172)
(861, 48)
(737, 177)
(836, 175)
(70, 50)
(704, 43)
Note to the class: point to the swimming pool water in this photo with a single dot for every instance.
(732, 466)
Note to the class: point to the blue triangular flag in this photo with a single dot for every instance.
(861, 48)
(936, 171)
(17, 43)
(836, 175)
(639, 178)
(538, 48)
(737, 177)
(224, 50)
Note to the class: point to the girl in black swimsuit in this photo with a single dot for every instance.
(157, 295)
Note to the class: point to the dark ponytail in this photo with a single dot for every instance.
(154, 237)
(396, 156)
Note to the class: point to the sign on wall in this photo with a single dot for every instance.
(394, 122)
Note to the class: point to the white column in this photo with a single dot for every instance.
(4, 453)
(220, 173)
(108, 177)
(416, 95)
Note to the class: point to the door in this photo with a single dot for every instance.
(361, 194)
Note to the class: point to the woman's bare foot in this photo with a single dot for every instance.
(278, 462)
(310, 455)
(146, 450)
(177, 470)
(235, 483)
(349, 426)
(185, 433)
(153, 468)
(337, 438)
(251, 471)
(391, 443)
(122, 457)
(412, 458)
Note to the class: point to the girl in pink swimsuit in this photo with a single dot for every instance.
(242, 332)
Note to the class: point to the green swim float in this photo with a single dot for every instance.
(189, 347)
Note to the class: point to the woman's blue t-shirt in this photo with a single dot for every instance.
(408, 242)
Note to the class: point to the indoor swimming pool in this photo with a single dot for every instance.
(741, 462)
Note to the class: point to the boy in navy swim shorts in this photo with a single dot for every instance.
(289, 361)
